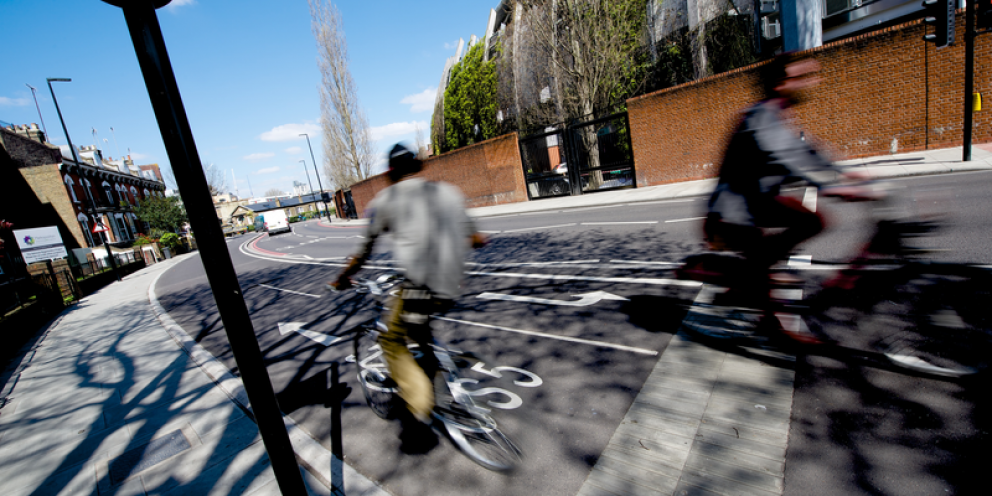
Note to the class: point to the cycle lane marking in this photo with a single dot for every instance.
(601, 344)
(561, 277)
(552, 277)
(289, 291)
(584, 300)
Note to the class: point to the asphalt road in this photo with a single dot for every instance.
(855, 429)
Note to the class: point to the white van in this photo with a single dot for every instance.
(272, 222)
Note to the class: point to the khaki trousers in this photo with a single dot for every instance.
(409, 320)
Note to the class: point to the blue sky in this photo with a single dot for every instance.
(246, 69)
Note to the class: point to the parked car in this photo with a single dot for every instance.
(272, 222)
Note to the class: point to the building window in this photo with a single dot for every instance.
(84, 222)
(109, 190)
(72, 191)
(134, 195)
(146, 193)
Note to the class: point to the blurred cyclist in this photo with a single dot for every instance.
(431, 234)
(765, 153)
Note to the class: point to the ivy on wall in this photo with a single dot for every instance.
(470, 102)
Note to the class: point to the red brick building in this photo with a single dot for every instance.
(69, 194)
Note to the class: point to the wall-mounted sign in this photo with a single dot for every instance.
(40, 244)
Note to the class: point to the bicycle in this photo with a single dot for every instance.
(924, 316)
(469, 425)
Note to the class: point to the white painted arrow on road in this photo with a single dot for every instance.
(584, 300)
(297, 327)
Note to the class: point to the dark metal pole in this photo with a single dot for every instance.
(149, 46)
(969, 76)
(321, 186)
(308, 176)
(86, 187)
(35, 95)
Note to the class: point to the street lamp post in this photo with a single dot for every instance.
(35, 95)
(75, 158)
(321, 186)
(304, 162)
(167, 103)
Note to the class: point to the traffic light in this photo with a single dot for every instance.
(940, 14)
(983, 14)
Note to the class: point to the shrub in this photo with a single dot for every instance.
(143, 240)
(170, 240)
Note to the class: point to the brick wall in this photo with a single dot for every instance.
(488, 173)
(881, 91)
(46, 182)
(27, 152)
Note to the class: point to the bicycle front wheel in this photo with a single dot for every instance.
(931, 319)
(381, 392)
(478, 437)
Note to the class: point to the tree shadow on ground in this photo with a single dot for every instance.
(125, 387)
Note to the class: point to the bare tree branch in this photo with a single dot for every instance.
(348, 146)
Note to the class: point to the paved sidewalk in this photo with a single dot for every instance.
(107, 402)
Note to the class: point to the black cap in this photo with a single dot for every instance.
(402, 162)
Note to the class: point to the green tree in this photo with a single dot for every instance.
(470, 101)
(162, 213)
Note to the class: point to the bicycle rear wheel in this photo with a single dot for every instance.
(379, 388)
(932, 319)
(477, 436)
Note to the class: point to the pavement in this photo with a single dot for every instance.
(113, 397)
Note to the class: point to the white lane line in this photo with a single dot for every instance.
(801, 261)
(289, 291)
(662, 201)
(542, 227)
(624, 280)
(613, 223)
(687, 219)
(600, 344)
(533, 264)
(498, 216)
(490, 232)
(582, 209)
(644, 262)
(809, 198)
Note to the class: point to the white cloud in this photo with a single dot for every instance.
(268, 170)
(398, 129)
(293, 150)
(139, 156)
(421, 102)
(179, 3)
(290, 132)
(451, 45)
(14, 102)
(258, 156)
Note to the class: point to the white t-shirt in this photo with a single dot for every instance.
(430, 231)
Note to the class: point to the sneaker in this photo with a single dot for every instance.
(417, 438)
(734, 297)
